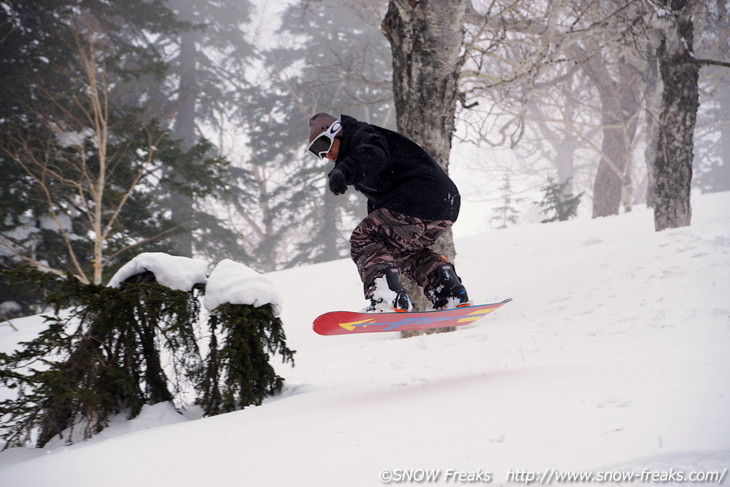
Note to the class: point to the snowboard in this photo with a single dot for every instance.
(352, 322)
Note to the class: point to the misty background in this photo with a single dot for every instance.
(181, 126)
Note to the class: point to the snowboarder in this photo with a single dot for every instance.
(411, 202)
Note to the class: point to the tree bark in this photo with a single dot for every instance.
(618, 106)
(426, 38)
(652, 96)
(679, 73)
(184, 128)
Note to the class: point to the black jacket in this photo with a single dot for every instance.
(395, 173)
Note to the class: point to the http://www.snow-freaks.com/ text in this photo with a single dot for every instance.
(550, 476)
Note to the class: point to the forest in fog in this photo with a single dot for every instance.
(180, 126)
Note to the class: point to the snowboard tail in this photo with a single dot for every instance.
(351, 322)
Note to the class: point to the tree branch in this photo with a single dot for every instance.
(713, 62)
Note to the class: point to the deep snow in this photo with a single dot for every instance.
(613, 357)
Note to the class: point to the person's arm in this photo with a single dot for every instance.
(368, 157)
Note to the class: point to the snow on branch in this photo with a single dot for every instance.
(180, 273)
(235, 283)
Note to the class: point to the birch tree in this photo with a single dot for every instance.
(92, 166)
(679, 74)
(672, 27)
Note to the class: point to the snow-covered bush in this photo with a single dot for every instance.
(113, 349)
(244, 330)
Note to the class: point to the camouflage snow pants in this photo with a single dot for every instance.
(386, 239)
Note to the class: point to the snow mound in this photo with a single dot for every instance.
(180, 273)
(235, 283)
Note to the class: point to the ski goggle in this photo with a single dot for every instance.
(322, 144)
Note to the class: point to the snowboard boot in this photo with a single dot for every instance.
(446, 290)
(388, 294)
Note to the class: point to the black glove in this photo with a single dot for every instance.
(338, 185)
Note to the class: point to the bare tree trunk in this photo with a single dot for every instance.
(184, 129)
(609, 178)
(99, 115)
(426, 38)
(618, 126)
(630, 81)
(680, 99)
(652, 95)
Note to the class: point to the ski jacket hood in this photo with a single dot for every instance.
(395, 173)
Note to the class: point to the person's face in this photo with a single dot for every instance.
(332, 154)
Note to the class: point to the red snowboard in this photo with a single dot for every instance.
(350, 322)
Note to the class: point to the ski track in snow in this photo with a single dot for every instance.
(612, 356)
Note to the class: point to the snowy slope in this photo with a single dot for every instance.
(613, 357)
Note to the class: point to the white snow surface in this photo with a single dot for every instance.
(175, 272)
(613, 357)
(236, 283)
